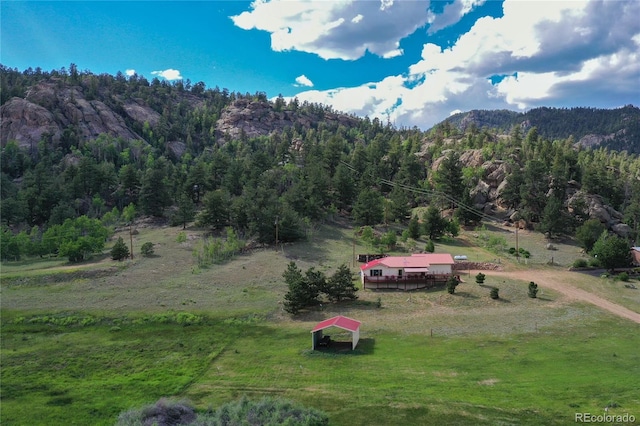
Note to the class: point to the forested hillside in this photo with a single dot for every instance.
(80, 149)
(615, 129)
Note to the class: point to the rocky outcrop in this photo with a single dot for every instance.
(25, 122)
(254, 118)
(485, 195)
(49, 109)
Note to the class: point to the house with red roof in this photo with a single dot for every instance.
(407, 272)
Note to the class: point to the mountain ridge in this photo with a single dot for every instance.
(616, 129)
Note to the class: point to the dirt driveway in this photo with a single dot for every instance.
(553, 280)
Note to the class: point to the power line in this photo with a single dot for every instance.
(431, 193)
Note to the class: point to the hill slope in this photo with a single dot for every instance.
(616, 129)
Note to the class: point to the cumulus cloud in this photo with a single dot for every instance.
(303, 81)
(549, 53)
(168, 74)
(336, 29)
(451, 14)
(130, 72)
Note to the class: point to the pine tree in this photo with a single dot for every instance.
(120, 250)
(340, 285)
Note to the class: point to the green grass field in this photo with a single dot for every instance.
(80, 345)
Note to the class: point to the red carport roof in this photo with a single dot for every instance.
(339, 321)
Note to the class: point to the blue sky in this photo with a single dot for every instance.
(411, 62)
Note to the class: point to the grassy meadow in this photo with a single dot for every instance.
(82, 343)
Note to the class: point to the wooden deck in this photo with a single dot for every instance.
(405, 283)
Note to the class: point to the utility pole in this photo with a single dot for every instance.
(131, 238)
(517, 248)
(353, 256)
(276, 233)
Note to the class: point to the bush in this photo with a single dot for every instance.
(452, 283)
(480, 278)
(623, 276)
(163, 412)
(147, 249)
(533, 290)
(120, 250)
(595, 263)
(267, 412)
(494, 293)
(580, 263)
(429, 247)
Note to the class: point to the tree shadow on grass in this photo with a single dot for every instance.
(466, 295)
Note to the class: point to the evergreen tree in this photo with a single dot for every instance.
(414, 228)
(399, 204)
(448, 179)
(154, 195)
(511, 195)
(120, 250)
(186, 210)
(215, 212)
(555, 220)
(304, 290)
(368, 209)
(466, 212)
(588, 233)
(340, 285)
(434, 226)
(344, 186)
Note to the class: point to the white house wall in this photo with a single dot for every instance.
(439, 269)
(391, 272)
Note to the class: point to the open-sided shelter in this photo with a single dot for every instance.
(340, 321)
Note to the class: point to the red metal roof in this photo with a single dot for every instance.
(339, 321)
(413, 261)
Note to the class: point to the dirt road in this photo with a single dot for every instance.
(553, 280)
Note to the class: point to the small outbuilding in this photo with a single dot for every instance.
(345, 323)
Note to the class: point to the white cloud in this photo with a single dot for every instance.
(339, 29)
(572, 53)
(451, 14)
(303, 81)
(168, 74)
(130, 72)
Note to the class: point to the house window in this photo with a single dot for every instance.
(376, 272)
(400, 273)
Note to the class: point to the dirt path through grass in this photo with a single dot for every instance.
(554, 281)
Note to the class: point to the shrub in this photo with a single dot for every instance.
(580, 263)
(494, 293)
(533, 290)
(163, 412)
(267, 411)
(480, 278)
(147, 249)
(452, 283)
(594, 262)
(181, 238)
(120, 250)
(623, 276)
(429, 247)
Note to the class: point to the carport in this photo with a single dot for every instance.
(345, 323)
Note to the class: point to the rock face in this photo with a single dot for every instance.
(26, 122)
(259, 118)
(47, 109)
(486, 194)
